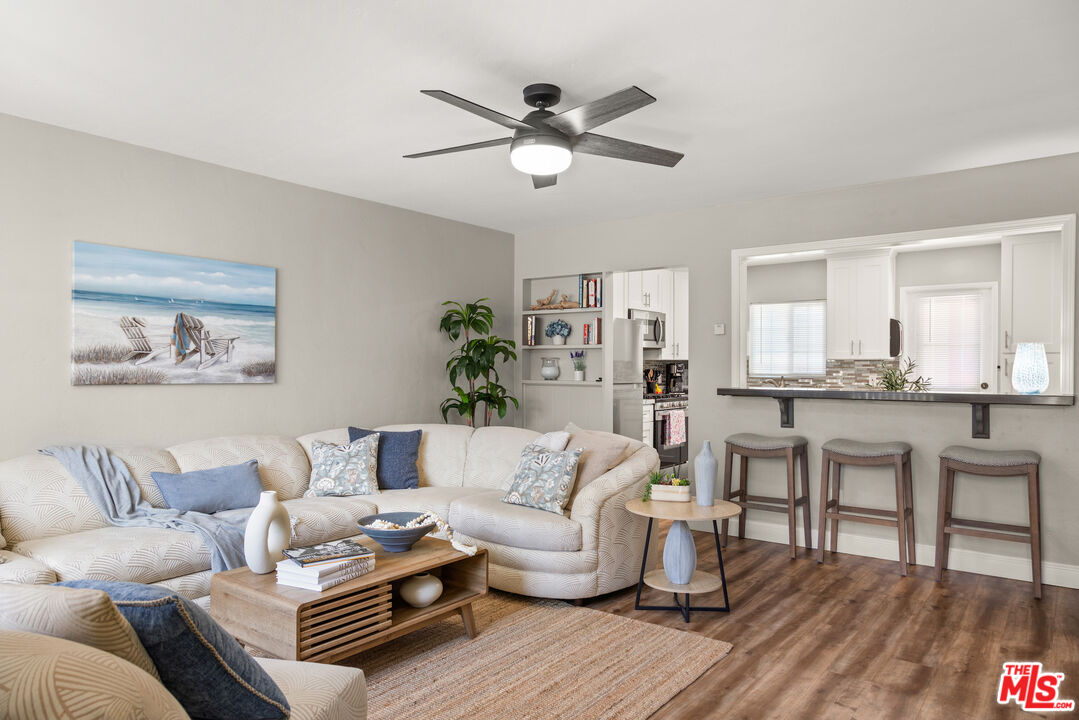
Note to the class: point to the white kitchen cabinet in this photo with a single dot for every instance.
(1031, 287)
(678, 317)
(860, 305)
(647, 289)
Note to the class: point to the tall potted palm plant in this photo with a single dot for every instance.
(475, 362)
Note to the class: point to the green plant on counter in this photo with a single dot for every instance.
(900, 379)
(658, 478)
(476, 361)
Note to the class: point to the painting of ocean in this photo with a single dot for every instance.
(141, 317)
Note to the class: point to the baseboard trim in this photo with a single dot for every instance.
(973, 561)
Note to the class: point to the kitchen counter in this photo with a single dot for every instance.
(979, 402)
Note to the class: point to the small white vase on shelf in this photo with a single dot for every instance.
(578, 375)
(421, 590)
(558, 340)
(550, 369)
(268, 533)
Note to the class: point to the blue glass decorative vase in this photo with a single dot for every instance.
(704, 475)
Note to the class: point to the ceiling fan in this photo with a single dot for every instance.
(543, 143)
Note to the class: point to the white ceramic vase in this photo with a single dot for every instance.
(704, 475)
(679, 554)
(267, 534)
(558, 340)
(578, 375)
(421, 590)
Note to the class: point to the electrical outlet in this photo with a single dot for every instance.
(720, 328)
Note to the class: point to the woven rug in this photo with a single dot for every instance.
(533, 660)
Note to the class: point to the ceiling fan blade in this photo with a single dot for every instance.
(542, 181)
(492, 115)
(593, 144)
(460, 148)
(585, 117)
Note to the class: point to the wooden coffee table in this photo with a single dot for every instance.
(296, 624)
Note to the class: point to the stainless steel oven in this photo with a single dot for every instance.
(671, 451)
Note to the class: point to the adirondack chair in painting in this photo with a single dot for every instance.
(143, 349)
(190, 336)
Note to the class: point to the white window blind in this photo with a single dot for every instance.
(787, 338)
(949, 335)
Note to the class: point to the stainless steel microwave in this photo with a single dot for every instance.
(654, 327)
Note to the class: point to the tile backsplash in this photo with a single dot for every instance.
(839, 375)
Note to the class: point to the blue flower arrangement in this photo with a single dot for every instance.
(558, 327)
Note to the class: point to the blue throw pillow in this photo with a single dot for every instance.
(398, 453)
(212, 490)
(203, 666)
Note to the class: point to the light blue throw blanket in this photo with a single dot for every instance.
(112, 489)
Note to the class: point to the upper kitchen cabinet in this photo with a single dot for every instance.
(648, 290)
(860, 306)
(678, 317)
(1031, 291)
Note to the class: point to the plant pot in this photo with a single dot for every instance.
(578, 375)
(268, 533)
(558, 340)
(550, 369)
(670, 493)
(421, 590)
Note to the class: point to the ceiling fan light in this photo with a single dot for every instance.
(540, 154)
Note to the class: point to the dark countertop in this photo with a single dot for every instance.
(939, 397)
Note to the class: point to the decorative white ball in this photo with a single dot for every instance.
(421, 590)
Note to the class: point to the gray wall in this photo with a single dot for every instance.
(359, 287)
(787, 282)
(947, 266)
(702, 240)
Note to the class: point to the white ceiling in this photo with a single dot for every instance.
(764, 98)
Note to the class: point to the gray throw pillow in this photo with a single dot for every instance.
(212, 490)
(344, 469)
(398, 453)
(544, 479)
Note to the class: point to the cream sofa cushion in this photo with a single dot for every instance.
(44, 678)
(283, 464)
(38, 498)
(319, 692)
(21, 569)
(82, 615)
(125, 554)
(485, 517)
(443, 450)
(424, 499)
(318, 519)
(493, 454)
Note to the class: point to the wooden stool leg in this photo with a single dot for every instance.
(942, 509)
(900, 519)
(728, 468)
(808, 525)
(837, 475)
(948, 503)
(743, 485)
(823, 504)
(908, 483)
(1035, 530)
(792, 517)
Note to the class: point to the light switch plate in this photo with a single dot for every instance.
(720, 328)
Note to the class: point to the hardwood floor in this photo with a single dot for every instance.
(852, 639)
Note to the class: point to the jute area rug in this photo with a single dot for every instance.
(533, 660)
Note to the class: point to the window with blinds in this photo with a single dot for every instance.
(949, 334)
(787, 338)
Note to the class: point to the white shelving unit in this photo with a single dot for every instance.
(550, 404)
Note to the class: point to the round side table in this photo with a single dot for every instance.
(701, 582)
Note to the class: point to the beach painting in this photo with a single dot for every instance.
(151, 318)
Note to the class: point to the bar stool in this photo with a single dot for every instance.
(792, 447)
(837, 453)
(989, 463)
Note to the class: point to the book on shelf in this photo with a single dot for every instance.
(291, 578)
(589, 291)
(528, 335)
(328, 552)
(585, 331)
(597, 331)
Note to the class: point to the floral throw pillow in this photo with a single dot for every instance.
(348, 469)
(544, 478)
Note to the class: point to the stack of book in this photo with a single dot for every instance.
(592, 333)
(590, 291)
(318, 567)
(531, 327)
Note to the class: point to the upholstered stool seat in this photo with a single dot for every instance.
(989, 464)
(990, 458)
(856, 448)
(792, 447)
(752, 441)
(839, 452)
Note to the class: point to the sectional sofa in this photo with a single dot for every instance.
(53, 532)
